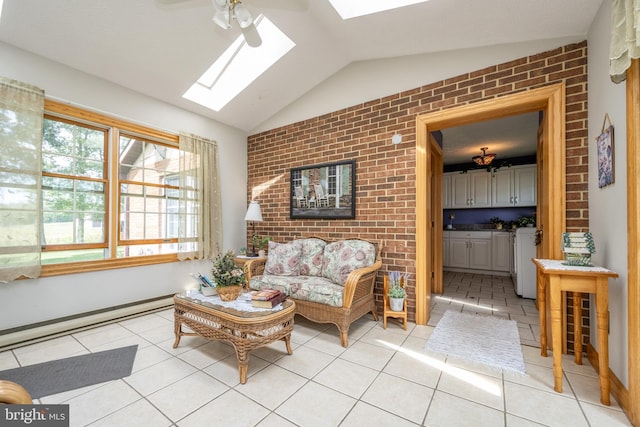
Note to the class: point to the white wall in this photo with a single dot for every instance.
(367, 80)
(28, 301)
(608, 205)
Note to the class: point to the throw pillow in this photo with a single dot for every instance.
(341, 258)
(283, 259)
(311, 256)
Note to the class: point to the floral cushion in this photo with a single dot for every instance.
(341, 258)
(311, 257)
(305, 288)
(283, 259)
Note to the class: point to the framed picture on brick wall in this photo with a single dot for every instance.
(325, 191)
(606, 154)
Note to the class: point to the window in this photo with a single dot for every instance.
(74, 191)
(332, 180)
(148, 188)
(110, 192)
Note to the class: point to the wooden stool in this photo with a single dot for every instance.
(387, 310)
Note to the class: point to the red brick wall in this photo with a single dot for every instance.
(385, 187)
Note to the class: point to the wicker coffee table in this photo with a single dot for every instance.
(244, 330)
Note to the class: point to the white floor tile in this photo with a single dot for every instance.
(139, 413)
(364, 415)
(232, 408)
(401, 397)
(347, 377)
(451, 411)
(316, 406)
(183, 397)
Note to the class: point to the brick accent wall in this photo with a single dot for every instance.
(385, 187)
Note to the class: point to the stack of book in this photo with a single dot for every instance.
(267, 298)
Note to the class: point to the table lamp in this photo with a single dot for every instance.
(254, 215)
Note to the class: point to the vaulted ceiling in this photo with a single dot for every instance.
(159, 48)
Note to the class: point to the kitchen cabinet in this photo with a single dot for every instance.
(502, 251)
(446, 191)
(470, 249)
(470, 190)
(514, 186)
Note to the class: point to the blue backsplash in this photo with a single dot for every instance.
(483, 215)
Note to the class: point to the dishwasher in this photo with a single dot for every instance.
(524, 247)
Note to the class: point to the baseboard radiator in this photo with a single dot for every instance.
(19, 337)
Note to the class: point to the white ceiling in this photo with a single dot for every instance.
(160, 50)
(510, 137)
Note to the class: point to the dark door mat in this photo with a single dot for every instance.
(57, 376)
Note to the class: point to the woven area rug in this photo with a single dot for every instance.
(487, 340)
(57, 376)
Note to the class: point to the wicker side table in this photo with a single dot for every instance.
(245, 331)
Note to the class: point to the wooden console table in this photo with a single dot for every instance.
(554, 276)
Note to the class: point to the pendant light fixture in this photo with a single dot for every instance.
(485, 159)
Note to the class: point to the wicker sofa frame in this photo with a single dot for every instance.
(357, 298)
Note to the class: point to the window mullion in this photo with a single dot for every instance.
(114, 192)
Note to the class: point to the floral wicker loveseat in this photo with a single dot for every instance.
(330, 281)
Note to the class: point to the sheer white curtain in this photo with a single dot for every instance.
(200, 214)
(21, 116)
(625, 37)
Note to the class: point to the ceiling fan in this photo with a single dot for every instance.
(227, 11)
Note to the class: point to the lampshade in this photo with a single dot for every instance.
(253, 212)
(485, 159)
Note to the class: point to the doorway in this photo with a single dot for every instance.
(551, 216)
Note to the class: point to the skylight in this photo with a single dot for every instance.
(238, 66)
(355, 8)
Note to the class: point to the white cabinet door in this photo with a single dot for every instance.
(470, 249)
(480, 189)
(459, 252)
(515, 186)
(480, 254)
(470, 190)
(446, 191)
(525, 186)
(459, 190)
(502, 249)
(502, 188)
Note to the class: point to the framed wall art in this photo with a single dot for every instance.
(325, 191)
(606, 153)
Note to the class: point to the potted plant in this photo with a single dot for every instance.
(527, 221)
(227, 276)
(497, 222)
(260, 243)
(396, 292)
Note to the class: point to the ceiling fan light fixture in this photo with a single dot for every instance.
(221, 18)
(485, 159)
(226, 10)
(242, 15)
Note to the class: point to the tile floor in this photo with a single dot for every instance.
(382, 379)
